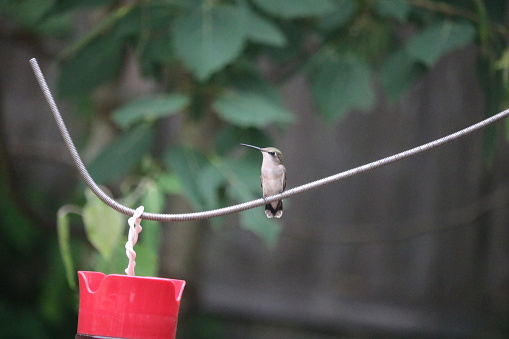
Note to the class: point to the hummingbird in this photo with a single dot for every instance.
(273, 178)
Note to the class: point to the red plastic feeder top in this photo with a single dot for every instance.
(122, 306)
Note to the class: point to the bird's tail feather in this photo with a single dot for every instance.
(274, 212)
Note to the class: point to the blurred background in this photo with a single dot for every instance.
(157, 96)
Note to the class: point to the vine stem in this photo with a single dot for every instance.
(250, 204)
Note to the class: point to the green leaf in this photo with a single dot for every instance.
(436, 40)
(92, 65)
(27, 12)
(231, 136)
(126, 22)
(502, 64)
(152, 201)
(64, 243)
(243, 176)
(69, 5)
(249, 79)
(156, 54)
(263, 31)
(250, 110)
(187, 164)
(210, 38)
(399, 73)
(57, 26)
(147, 260)
(103, 225)
(149, 109)
(344, 11)
(122, 155)
(291, 9)
(339, 86)
(256, 221)
(209, 182)
(146, 25)
(153, 198)
(397, 9)
(114, 265)
(53, 294)
(169, 183)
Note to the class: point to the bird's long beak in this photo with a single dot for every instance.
(258, 148)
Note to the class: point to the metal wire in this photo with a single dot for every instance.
(254, 203)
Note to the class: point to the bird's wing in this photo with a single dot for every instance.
(284, 180)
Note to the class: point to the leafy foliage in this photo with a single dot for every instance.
(291, 9)
(212, 47)
(149, 109)
(102, 224)
(257, 110)
(210, 37)
(432, 43)
(106, 230)
(122, 155)
(341, 85)
(205, 55)
(187, 164)
(95, 63)
(397, 9)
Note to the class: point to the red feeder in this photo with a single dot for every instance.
(121, 306)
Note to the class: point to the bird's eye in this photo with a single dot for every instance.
(272, 153)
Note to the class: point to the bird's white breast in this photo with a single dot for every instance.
(272, 178)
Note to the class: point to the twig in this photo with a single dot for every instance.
(254, 203)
